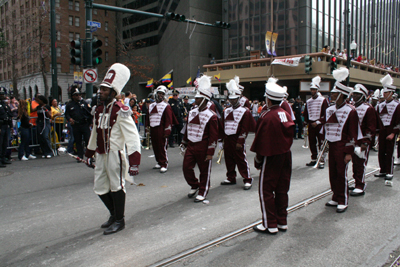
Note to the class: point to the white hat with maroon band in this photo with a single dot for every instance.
(315, 83)
(233, 89)
(162, 89)
(273, 91)
(116, 77)
(203, 87)
(340, 75)
(359, 88)
(387, 83)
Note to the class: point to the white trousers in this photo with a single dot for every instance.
(110, 172)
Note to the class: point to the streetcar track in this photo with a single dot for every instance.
(224, 238)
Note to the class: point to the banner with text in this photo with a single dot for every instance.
(268, 37)
(274, 39)
(291, 62)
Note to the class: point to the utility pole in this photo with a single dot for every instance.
(88, 57)
(347, 13)
(54, 84)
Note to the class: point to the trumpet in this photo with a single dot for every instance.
(322, 151)
(305, 131)
(220, 156)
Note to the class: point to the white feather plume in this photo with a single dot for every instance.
(387, 80)
(284, 88)
(272, 80)
(204, 82)
(232, 86)
(340, 74)
(316, 80)
(377, 93)
(237, 79)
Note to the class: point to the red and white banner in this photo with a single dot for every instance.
(291, 62)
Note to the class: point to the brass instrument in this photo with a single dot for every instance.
(322, 151)
(220, 156)
(305, 135)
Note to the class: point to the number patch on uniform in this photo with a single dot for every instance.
(282, 116)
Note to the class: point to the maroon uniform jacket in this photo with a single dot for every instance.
(243, 128)
(324, 106)
(167, 120)
(394, 125)
(244, 102)
(274, 132)
(367, 117)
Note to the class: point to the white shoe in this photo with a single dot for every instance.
(282, 228)
(31, 157)
(44, 156)
(199, 198)
(397, 161)
(162, 170)
(157, 166)
(357, 191)
(331, 203)
(24, 158)
(48, 156)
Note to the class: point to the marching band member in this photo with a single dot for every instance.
(113, 129)
(342, 131)
(199, 141)
(314, 113)
(389, 114)
(274, 137)
(160, 118)
(367, 118)
(243, 101)
(236, 123)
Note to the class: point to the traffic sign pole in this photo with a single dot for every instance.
(88, 57)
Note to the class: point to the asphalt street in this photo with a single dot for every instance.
(49, 216)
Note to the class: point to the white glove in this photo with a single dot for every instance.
(221, 145)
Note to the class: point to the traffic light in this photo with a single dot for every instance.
(96, 52)
(308, 64)
(223, 25)
(173, 16)
(333, 63)
(75, 52)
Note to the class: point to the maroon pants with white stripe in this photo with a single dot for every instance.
(159, 143)
(338, 172)
(273, 189)
(235, 157)
(359, 167)
(385, 152)
(196, 154)
(314, 138)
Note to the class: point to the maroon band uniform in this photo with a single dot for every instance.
(314, 112)
(244, 102)
(367, 119)
(389, 114)
(200, 139)
(237, 122)
(272, 142)
(160, 119)
(342, 130)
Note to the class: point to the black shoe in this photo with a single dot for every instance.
(301, 137)
(330, 204)
(115, 227)
(6, 162)
(227, 182)
(266, 231)
(351, 188)
(193, 192)
(311, 163)
(295, 138)
(380, 175)
(108, 223)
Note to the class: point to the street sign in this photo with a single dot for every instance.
(93, 24)
(90, 75)
(76, 77)
(80, 77)
(93, 29)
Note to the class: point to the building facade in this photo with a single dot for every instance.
(25, 60)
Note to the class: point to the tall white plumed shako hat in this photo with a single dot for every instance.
(273, 91)
(116, 77)
(376, 94)
(161, 88)
(359, 88)
(340, 75)
(204, 87)
(237, 80)
(315, 83)
(233, 89)
(387, 83)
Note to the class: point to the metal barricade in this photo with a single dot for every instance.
(59, 134)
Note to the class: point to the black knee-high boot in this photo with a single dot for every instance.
(109, 203)
(119, 207)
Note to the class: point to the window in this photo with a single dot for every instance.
(70, 5)
(76, 6)
(70, 20)
(58, 19)
(105, 13)
(71, 36)
(77, 36)
(58, 35)
(59, 68)
(106, 41)
(57, 3)
(106, 26)
(106, 56)
(58, 51)
(95, 11)
(77, 21)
